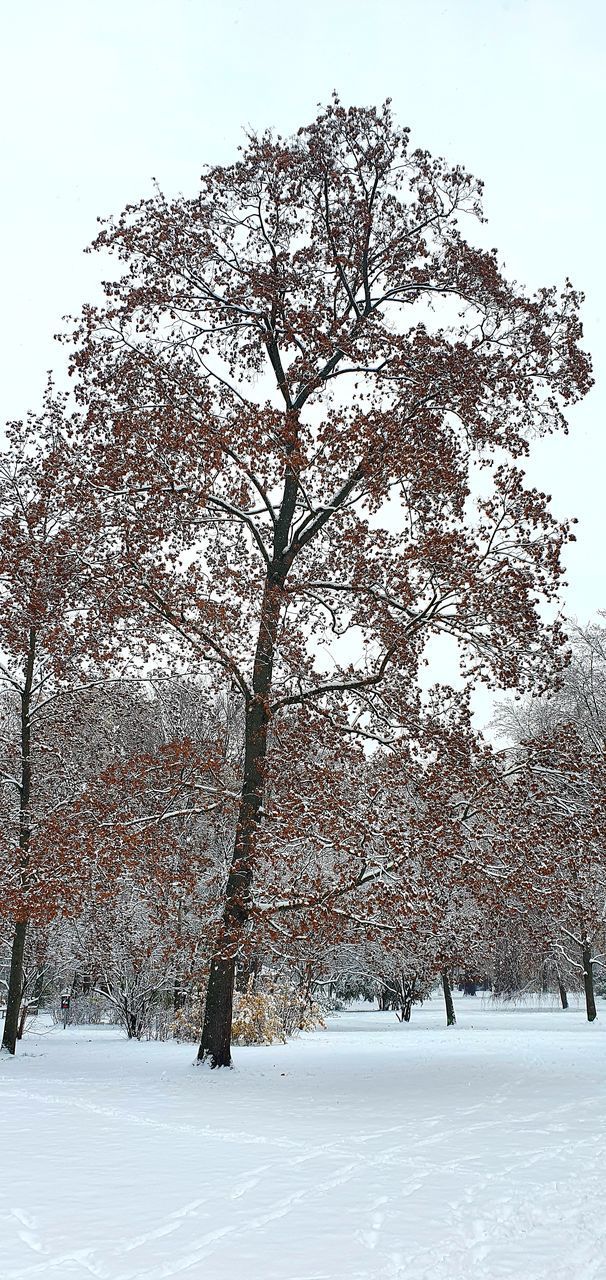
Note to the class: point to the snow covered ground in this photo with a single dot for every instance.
(364, 1151)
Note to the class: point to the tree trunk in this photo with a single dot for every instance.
(134, 1022)
(561, 988)
(15, 981)
(588, 981)
(215, 1045)
(180, 993)
(22, 1019)
(306, 994)
(38, 990)
(448, 1001)
(387, 998)
(15, 988)
(246, 974)
(407, 995)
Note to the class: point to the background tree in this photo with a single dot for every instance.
(559, 742)
(579, 697)
(147, 941)
(561, 803)
(53, 649)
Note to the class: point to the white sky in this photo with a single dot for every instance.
(96, 96)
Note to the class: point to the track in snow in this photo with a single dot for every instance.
(369, 1151)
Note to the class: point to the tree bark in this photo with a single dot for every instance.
(588, 981)
(179, 993)
(179, 986)
(561, 988)
(38, 990)
(15, 981)
(22, 1019)
(306, 994)
(15, 988)
(407, 995)
(246, 974)
(215, 1045)
(448, 1001)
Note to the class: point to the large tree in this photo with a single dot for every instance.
(304, 404)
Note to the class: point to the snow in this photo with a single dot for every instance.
(368, 1150)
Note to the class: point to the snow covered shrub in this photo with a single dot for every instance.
(257, 1019)
(296, 1009)
(161, 1022)
(311, 1018)
(187, 1021)
(84, 1010)
(269, 1010)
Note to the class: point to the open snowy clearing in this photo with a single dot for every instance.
(366, 1150)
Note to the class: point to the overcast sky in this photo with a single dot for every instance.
(98, 96)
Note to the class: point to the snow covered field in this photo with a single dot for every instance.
(363, 1151)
